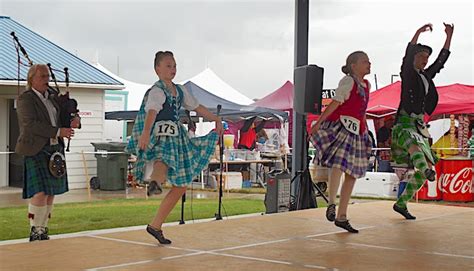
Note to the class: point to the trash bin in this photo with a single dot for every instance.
(111, 167)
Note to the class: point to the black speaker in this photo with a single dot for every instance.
(308, 88)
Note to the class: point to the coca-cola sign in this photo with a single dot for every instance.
(458, 182)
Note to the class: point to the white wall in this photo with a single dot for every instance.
(4, 118)
(91, 105)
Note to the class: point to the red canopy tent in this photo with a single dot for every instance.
(282, 99)
(453, 99)
(384, 101)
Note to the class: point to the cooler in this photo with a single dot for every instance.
(377, 184)
(318, 173)
(230, 180)
(456, 179)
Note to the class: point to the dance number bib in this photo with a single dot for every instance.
(351, 124)
(166, 128)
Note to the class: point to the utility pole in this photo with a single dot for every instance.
(299, 153)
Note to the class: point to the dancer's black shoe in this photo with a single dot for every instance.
(44, 234)
(331, 212)
(403, 212)
(154, 188)
(35, 234)
(430, 174)
(158, 234)
(345, 225)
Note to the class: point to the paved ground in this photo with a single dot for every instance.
(440, 239)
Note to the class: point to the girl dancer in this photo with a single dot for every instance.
(159, 138)
(340, 136)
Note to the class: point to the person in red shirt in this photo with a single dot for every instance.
(248, 134)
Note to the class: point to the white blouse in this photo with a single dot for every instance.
(157, 97)
(343, 90)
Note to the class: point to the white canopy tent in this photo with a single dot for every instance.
(136, 91)
(206, 79)
(209, 81)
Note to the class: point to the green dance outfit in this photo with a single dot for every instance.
(419, 97)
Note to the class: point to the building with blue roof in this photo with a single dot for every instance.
(41, 50)
(88, 85)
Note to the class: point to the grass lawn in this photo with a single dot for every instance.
(76, 217)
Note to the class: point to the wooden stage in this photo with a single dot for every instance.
(441, 238)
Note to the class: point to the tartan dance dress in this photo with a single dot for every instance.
(335, 145)
(185, 157)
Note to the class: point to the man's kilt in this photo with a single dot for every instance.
(37, 177)
(405, 134)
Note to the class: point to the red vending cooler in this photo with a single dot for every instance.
(457, 179)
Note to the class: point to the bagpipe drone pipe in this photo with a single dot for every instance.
(67, 105)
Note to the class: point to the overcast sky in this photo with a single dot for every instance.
(249, 44)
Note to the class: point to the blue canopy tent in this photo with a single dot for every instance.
(231, 111)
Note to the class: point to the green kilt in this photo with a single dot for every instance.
(37, 177)
(405, 134)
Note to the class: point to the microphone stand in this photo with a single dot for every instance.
(183, 198)
(221, 167)
(305, 196)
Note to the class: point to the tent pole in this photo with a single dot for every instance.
(299, 153)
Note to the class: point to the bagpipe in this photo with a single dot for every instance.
(67, 106)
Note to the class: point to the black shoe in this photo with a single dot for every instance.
(34, 234)
(154, 188)
(331, 212)
(430, 174)
(44, 234)
(403, 212)
(158, 234)
(345, 225)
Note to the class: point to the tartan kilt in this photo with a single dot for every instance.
(405, 134)
(37, 177)
(337, 147)
(185, 157)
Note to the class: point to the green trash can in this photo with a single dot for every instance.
(111, 167)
